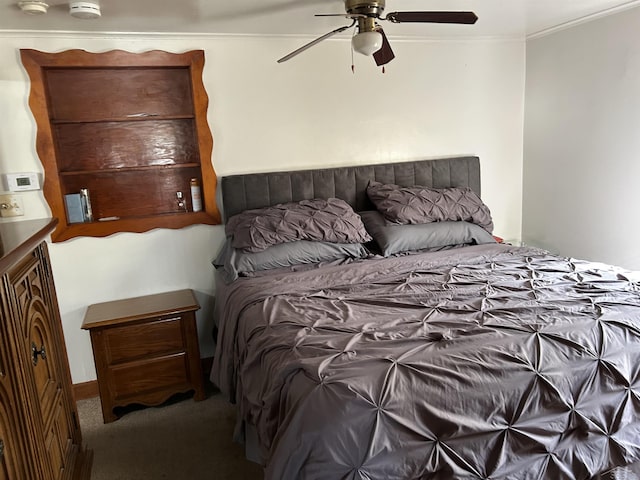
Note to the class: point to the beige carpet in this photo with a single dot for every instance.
(182, 439)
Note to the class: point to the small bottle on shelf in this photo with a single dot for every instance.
(86, 204)
(182, 205)
(196, 197)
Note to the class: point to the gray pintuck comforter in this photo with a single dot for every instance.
(481, 362)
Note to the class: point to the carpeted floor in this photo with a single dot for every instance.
(181, 439)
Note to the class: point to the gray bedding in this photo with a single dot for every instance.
(486, 361)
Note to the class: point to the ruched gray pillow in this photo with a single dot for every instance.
(416, 205)
(331, 220)
(394, 238)
(235, 263)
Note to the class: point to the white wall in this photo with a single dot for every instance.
(582, 141)
(436, 99)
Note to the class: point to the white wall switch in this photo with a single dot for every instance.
(11, 206)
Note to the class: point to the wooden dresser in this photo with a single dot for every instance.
(39, 429)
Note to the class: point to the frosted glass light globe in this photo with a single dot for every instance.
(367, 43)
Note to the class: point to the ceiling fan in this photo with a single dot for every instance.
(370, 38)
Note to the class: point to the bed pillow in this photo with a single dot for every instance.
(331, 220)
(415, 205)
(394, 238)
(236, 262)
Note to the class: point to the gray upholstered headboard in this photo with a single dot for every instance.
(258, 190)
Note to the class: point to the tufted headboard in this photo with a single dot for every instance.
(258, 190)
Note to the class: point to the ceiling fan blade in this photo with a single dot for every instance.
(314, 42)
(385, 54)
(347, 15)
(467, 18)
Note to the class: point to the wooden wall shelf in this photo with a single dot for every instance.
(129, 127)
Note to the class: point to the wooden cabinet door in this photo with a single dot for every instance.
(7, 439)
(12, 431)
(12, 447)
(40, 342)
(11, 467)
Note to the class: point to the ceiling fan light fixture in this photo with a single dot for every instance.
(84, 10)
(367, 43)
(33, 8)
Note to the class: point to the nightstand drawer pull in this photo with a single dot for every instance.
(1, 449)
(35, 352)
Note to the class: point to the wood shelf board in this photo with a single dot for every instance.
(150, 117)
(133, 225)
(106, 171)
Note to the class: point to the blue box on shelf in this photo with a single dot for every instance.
(74, 207)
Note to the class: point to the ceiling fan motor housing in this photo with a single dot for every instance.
(373, 8)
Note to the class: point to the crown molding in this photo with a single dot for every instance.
(585, 19)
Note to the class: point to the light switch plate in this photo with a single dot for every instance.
(11, 206)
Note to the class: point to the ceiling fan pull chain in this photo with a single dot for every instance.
(353, 66)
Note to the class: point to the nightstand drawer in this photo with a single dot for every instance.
(151, 375)
(144, 340)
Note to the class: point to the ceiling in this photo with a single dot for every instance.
(497, 18)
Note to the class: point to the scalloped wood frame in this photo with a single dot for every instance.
(35, 62)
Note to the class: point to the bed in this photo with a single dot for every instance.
(467, 359)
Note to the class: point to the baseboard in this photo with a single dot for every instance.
(85, 390)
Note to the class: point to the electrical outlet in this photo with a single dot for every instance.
(11, 206)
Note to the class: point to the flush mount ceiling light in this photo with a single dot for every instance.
(84, 10)
(33, 8)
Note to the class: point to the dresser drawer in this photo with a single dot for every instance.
(160, 336)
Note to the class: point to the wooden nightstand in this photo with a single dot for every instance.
(145, 349)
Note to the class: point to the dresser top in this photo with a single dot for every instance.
(19, 238)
